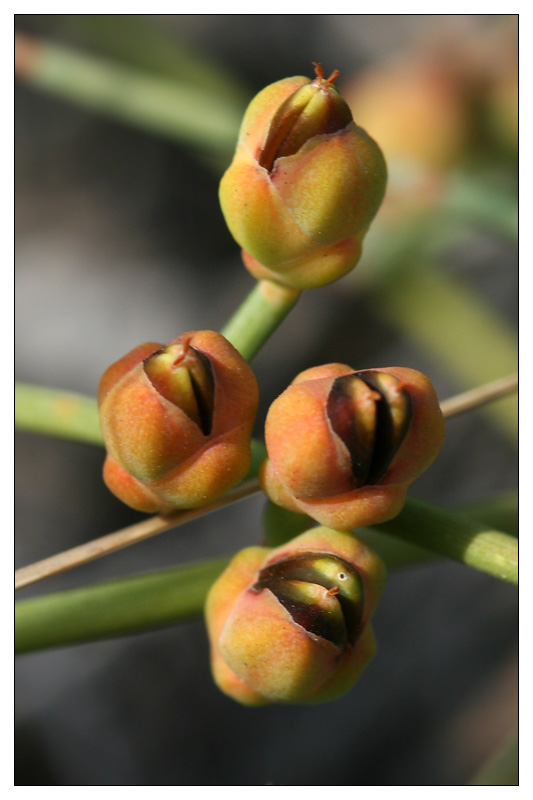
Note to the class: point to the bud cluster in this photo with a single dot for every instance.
(290, 624)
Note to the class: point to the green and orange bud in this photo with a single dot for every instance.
(304, 184)
(177, 422)
(292, 624)
(344, 446)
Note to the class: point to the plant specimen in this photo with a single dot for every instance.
(343, 443)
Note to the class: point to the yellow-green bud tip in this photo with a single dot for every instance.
(183, 376)
(316, 108)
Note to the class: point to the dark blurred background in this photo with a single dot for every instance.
(120, 240)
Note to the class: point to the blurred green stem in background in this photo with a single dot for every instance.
(140, 41)
(438, 312)
(137, 603)
(484, 203)
(177, 110)
(459, 331)
(501, 769)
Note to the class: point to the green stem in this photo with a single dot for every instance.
(114, 608)
(480, 201)
(258, 316)
(458, 537)
(281, 525)
(501, 769)
(147, 43)
(177, 110)
(161, 598)
(500, 512)
(57, 413)
(453, 324)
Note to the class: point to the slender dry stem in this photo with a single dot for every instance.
(125, 537)
(479, 396)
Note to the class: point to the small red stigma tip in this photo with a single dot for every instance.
(320, 75)
(333, 77)
(319, 72)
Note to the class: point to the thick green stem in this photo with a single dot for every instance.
(458, 537)
(114, 608)
(258, 316)
(421, 539)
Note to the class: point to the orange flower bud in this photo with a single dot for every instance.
(304, 184)
(177, 422)
(343, 446)
(291, 625)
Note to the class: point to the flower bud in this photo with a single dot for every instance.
(177, 422)
(304, 184)
(291, 625)
(343, 446)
